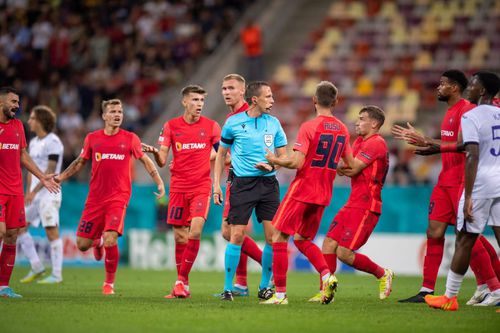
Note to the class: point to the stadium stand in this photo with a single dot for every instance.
(72, 54)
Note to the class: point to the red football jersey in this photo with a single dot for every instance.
(243, 108)
(453, 164)
(324, 140)
(111, 164)
(367, 185)
(12, 140)
(191, 147)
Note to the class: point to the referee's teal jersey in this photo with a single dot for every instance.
(248, 138)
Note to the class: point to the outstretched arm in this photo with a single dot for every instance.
(426, 145)
(30, 195)
(295, 160)
(46, 179)
(151, 169)
(160, 155)
(73, 168)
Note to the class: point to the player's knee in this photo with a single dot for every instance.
(328, 245)
(110, 241)
(226, 233)
(194, 234)
(344, 255)
(180, 238)
(83, 244)
(10, 236)
(435, 230)
(237, 237)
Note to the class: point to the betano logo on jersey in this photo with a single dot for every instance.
(100, 156)
(447, 133)
(9, 146)
(188, 146)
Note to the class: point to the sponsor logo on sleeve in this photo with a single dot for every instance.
(365, 155)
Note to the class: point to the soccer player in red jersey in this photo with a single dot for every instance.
(13, 155)
(444, 200)
(233, 91)
(111, 150)
(480, 202)
(320, 144)
(192, 138)
(354, 223)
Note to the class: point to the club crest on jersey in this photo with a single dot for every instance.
(268, 139)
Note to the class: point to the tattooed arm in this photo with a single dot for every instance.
(73, 168)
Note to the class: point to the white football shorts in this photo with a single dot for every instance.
(44, 209)
(484, 211)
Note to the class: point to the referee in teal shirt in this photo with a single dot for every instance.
(254, 185)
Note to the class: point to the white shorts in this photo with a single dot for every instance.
(44, 209)
(484, 211)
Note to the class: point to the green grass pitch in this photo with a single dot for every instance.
(77, 305)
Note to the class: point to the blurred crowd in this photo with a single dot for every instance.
(72, 54)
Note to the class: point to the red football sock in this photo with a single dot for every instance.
(495, 262)
(364, 264)
(179, 253)
(241, 270)
(190, 254)
(313, 253)
(111, 263)
(7, 260)
(481, 266)
(331, 261)
(280, 265)
(251, 249)
(432, 261)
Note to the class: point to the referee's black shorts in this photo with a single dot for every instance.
(247, 193)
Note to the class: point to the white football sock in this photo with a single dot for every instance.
(29, 250)
(56, 257)
(453, 284)
(427, 290)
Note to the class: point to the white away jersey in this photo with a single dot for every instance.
(40, 149)
(482, 125)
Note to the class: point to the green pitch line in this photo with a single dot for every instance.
(77, 305)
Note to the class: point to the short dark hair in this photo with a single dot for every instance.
(45, 116)
(193, 88)
(326, 94)
(254, 89)
(375, 113)
(7, 90)
(490, 82)
(457, 77)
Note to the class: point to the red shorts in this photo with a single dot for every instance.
(226, 201)
(297, 217)
(12, 211)
(443, 205)
(352, 227)
(183, 207)
(98, 218)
